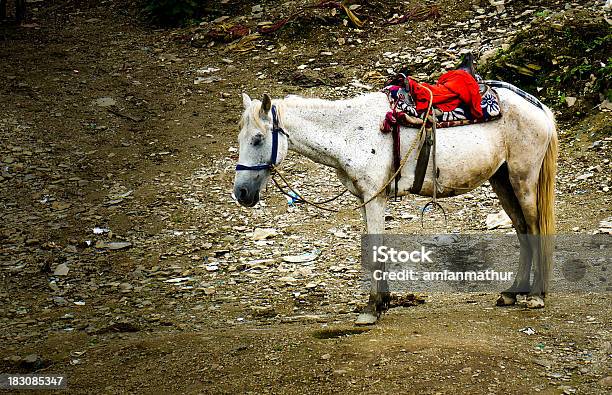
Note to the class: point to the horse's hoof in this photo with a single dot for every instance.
(506, 300)
(366, 319)
(534, 302)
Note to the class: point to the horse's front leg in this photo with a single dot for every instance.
(379, 289)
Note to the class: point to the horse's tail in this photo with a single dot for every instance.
(546, 200)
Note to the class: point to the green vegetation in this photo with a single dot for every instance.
(561, 55)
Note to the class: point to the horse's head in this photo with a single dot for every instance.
(262, 144)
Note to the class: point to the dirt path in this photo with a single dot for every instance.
(434, 348)
(102, 127)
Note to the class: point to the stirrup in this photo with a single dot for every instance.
(434, 204)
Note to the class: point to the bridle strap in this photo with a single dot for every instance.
(276, 129)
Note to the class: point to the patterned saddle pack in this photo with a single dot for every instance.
(402, 99)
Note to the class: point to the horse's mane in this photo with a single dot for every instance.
(313, 103)
(252, 114)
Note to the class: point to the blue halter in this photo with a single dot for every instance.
(275, 131)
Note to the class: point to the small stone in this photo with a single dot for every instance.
(325, 356)
(206, 80)
(105, 102)
(606, 381)
(32, 358)
(543, 362)
(264, 233)
(115, 245)
(498, 221)
(59, 206)
(584, 176)
(177, 280)
(58, 300)
(304, 258)
(606, 105)
(605, 226)
(220, 19)
(263, 311)
(61, 270)
(339, 233)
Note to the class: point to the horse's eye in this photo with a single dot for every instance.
(257, 139)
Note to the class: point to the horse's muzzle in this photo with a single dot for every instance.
(245, 197)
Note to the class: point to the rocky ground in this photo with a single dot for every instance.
(125, 263)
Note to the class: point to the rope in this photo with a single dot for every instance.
(299, 196)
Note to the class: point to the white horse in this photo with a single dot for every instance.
(516, 153)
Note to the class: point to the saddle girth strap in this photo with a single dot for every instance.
(422, 162)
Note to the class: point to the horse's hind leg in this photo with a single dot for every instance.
(526, 194)
(503, 188)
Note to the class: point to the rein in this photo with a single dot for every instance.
(299, 198)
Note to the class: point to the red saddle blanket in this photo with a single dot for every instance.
(452, 89)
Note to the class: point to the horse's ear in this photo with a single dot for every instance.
(266, 104)
(246, 100)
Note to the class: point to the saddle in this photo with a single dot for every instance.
(454, 103)
(459, 98)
